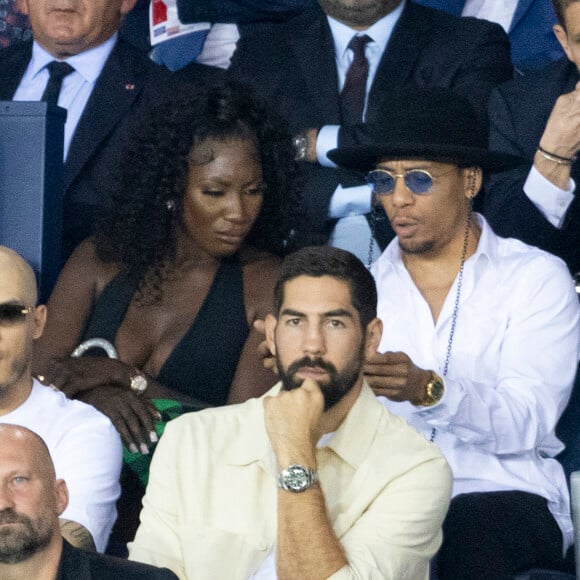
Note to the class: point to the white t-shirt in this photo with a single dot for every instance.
(86, 451)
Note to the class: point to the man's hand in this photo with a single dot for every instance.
(291, 420)
(395, 376)
(264, 351)
(561, 137)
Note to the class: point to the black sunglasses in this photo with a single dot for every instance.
(13, 313)
(417, 181)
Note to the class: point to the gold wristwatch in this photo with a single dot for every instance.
(434, 390)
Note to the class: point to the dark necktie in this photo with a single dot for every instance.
(352, 97)
(57, 70)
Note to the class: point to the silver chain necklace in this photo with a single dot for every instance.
(457, 293)
(456, 305)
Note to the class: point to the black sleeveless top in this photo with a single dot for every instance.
(204, 362)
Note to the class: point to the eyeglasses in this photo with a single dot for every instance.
(417, 181)
(11, 314)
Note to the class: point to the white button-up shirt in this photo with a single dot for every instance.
(511, 369)
(76, 88)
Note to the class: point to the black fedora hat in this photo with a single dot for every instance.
(434, 124)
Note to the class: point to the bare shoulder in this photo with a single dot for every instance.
(84, 264)
(259, 263)
(261, 270)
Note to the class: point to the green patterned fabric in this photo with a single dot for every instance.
(169, 410)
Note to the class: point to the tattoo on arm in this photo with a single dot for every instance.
(77, 535)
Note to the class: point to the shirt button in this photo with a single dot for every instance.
(561, 202)
(262, 546)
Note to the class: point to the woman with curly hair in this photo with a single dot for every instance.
(180, 268)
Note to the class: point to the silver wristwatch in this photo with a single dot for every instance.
(297, 478)
(300, 143)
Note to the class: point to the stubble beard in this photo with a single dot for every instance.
(417, 248)
(18, 369)
(338, 384)
(19, 543)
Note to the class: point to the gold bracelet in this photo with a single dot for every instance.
(556, 158)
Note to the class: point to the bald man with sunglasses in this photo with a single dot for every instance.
(481, 337)
(84, 444)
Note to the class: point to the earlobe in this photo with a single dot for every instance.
(39, 321)
(474, 182)
(562, 38)
(127, 6)
(61, 491)
(373, 334)
(270, 327)
(22, 6)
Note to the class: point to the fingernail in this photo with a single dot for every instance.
(144, 449)
(153, 437)
(133, 448)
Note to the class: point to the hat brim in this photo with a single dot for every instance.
(365, 157)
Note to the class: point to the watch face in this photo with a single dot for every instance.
(296, 478)
(436, 390)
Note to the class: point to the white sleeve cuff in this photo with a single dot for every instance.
(326, 141)
(350, 201)
(220, 45)
(552, 201)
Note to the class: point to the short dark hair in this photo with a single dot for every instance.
(560, 8)
(317, 261)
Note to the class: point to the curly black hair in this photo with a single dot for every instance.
(140, 230)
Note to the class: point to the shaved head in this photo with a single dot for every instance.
(22, 437)
(17, 274)
(17, 335)
(31, 499)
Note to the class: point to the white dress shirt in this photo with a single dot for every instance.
(511, 369)
(76, 87)
(500, 11)
(552, 201)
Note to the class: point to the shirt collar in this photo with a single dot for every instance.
(380, 31)
(350, 441)
(486, 252)
(89, 64)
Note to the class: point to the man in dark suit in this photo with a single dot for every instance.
(31, 500)
(538, 117)
(111, 83)
(529, 27)
(300, 67)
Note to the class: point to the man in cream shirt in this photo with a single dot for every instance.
(314, 480)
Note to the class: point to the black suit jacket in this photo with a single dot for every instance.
(77, 564)
(519, 111)
(127, 86)
(292, 65)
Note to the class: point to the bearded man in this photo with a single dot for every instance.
(314, 480)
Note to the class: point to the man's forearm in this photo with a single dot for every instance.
(307, 546)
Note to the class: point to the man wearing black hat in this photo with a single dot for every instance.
(481, 337)
(328, 70)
